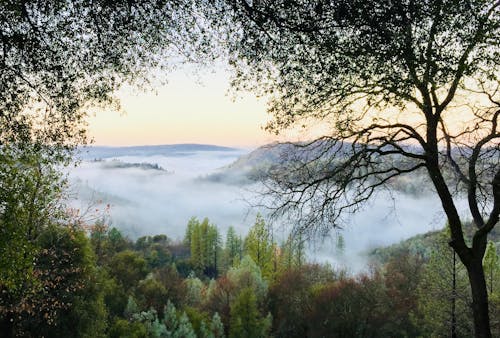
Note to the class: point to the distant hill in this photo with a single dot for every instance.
(172, 150)
(252, 167)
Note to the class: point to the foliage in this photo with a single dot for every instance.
(246, 321)
(64, 299)
(30, 193)
(205, 244)
(127, 267)
(233, 249)
(437, 294)
(388, 81)
(259, 246)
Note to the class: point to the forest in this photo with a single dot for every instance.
(380, 90)
(96, 282)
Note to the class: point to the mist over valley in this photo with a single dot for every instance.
(157, 189)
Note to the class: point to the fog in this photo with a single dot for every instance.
(147, 200)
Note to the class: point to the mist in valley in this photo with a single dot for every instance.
(156, 192)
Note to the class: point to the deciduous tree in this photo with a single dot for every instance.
(401, 87)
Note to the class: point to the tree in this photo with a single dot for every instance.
(205, 244)
(59, 60)
(216, 326)
(246, 321)
(177, 327)
(259, 246)
(128, 268)
(59, 57)
(389, 80)
(65, 298)
(233, 248)
(443, 296)
(491, 264)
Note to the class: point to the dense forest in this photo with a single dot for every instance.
(95, 282)
(386, 89)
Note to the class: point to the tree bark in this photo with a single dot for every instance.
(479, 299)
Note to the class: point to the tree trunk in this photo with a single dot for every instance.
(479, 299)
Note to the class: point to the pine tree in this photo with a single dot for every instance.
(213, 251)
(131, 308)
(246, 321)
(259, 246)
(292, 253)
(192, 223)
(216, 327)
(196, 247)
(170, 318)
(184, 329)
(233, 249)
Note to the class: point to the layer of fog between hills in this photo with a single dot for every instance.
(156, 189)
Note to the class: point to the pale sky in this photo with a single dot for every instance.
(189, 109)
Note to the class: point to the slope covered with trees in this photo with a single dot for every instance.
(99, 283)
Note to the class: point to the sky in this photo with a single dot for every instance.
(188, 109)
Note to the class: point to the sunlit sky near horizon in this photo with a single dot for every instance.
(188, 109)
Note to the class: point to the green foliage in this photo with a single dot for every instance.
(178, 327)
(246, 321)
(216, 326)
(491, 264)
(260, 247)
(66, 299)
(292, 253)
(106, 242)
(194, 290)
(436, 294)
(131, 309)
(151, 294)
(205, 244)
(124, 329)
(248, 275)
(29, 201)
(234, 248)
(128, 267)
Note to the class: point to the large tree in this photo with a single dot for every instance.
(400, 87)
(58, 60)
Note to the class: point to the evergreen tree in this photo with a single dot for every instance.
(196, 247)
(259, 246)
(291, 253)
(184, 329)
(131, 309)
(213, 259)
(246, 321)
(216, 326)
(233, 248)
(192, 223)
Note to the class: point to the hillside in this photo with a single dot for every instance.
(423, 245)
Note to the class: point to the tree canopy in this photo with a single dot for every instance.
(400, 87)
(58, 58)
